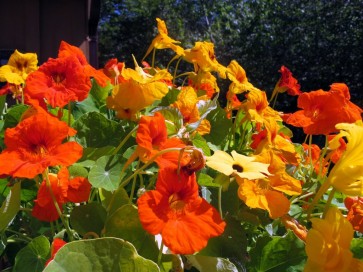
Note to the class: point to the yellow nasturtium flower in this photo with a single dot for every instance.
(347, 174)
(138, 91)
(203, 57)
(163, 41)
(237, 75)
(328, 244)
(18, 67)
(239, 165)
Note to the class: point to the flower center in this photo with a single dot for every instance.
(176, 203)
(58, 78)
(238, 168)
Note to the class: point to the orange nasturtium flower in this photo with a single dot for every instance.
(113, 69)
(203, 81)
(36, 143)
(65, 50)
(56, 245)
(203, 57)
(267, 193)
(355, 212)
(175, 210)
(187, 104)
(18, 67)
(237, 75)
(328, 244)
(321, 110)
(163, 41)
(64, 189)
(138, 91)
(152, 137)
(287, 83)
(58, 82)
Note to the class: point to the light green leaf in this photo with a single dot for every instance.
(99, 94)
(220, 126)
(356, 247)
(207, 181)
(117, 200)
(10, 206)
(32, 257)
(13, 116)
(200, 142)
(211, 264)
(106, 173)
(100, 255)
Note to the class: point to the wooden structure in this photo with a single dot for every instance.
(40, 25)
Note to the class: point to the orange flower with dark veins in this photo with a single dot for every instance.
(65, 50)
(36, 143)
(58, 81)
(321, 110)
(185, 220)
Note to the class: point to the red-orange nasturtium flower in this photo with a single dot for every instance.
(56, 245)
(175, 210)
(36, 143)
(203, 81)
(152, 137)
(355, 212)
(65, 50)
(338, 146)
(321, 110)
(113, 69)
(315, 158)
(287, 83)
(58, 82)
(64, 190)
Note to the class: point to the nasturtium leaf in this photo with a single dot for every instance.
(207, 181)
(173, 117)
(117, 200)
(170, 97)
(106, 173)
(10, 206)
(33, 256)
(106, 254)
(3, 242)
(200, 142)
(220, 126)
(95, 130)
(77, 170)
(99, 94)
(232, 244)
(275, 254)
(124, 223)
(88, 218)
(93, 153)
(29, 190)
(84, 107)
(211, 264)
(12, 117)
(356, 247)
(2, 104)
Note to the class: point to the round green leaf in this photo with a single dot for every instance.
(100, 255)
(88, 218)
(33, 256)
(106, 173)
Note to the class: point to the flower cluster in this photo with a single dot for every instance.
(149, 155)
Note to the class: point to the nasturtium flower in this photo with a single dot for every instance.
(65, 50)
(203, 81)
(337, 145)
(163, 41)
(152, 137)
(175, 210)
(322, 110)
(58, 82)
(55, 246)
(203, 57)
(237, 75)
(36, 143)
(328, 244)
(287, 83)
(347, 174)
(267, 193)
(233, 103)
(64, 190)
(313, 159)
(113, 69)
(355, 212)
(237, 165)
(187, 104)
(139, 90)
(18, 67)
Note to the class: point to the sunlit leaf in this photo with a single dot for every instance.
(10, 206)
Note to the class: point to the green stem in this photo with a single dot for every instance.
(152, 159)
(21, 235)
(133, 186)
(153, 58)
(220, 201)
(160, 254)
(49, 186)
(124, 140)
(69, 114)
(52, 230)
(328, 202)
(176, 70)
(323, 188)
